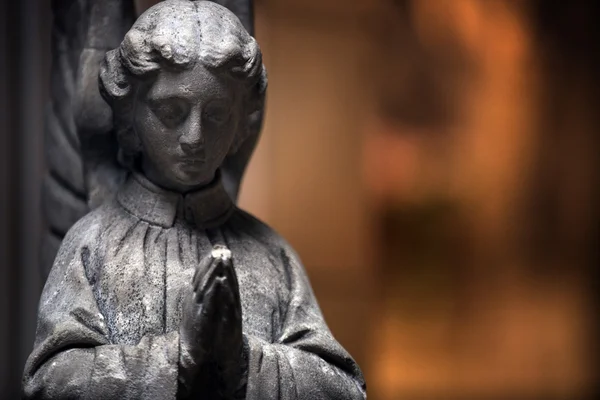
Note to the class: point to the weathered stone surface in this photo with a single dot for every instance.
(81, 148)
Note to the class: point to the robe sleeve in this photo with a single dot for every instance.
(306, 362)
(73, 357)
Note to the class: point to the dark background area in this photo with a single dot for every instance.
(24, 71)
(458, 165)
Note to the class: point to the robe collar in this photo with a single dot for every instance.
(205, 208)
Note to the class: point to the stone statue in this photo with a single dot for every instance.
(168, 290)
(80, 140)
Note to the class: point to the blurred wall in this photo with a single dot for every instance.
(491, 297)
(305, 179)
(448, 151)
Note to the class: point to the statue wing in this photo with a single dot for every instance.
(81, 147)
(65, 197)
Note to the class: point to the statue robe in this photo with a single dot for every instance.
(110, 311)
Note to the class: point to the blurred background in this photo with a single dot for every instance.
(435, 164)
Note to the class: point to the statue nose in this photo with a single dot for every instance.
(191, 148)
(191, 141)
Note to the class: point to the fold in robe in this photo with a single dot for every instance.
(110, 310)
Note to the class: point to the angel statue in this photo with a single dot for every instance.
(167, 290)
(81, 146)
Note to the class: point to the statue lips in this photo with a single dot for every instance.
(192, 158)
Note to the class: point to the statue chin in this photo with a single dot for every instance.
(189, 176)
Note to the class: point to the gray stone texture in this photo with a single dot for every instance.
(110, 312)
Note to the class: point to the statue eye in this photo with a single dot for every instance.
(171, 112)
(217, 112)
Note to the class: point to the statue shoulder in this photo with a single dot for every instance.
(76, 252)
(88, 229)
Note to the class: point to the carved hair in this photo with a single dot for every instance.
(176, 34)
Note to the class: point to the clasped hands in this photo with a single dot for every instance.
(213, 359)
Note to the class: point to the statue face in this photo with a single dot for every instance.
(186, 122)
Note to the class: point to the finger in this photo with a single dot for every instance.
(222, 252)
(206, 282)
(229, 315)
(216, 278)
(208, 276)
(211, 299)
(189, 303)
(228, 330)
(201, 269)
(218, 254)
(231, 275)
(232, 309)
(210, 315)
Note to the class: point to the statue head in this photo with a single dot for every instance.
(184, 85)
